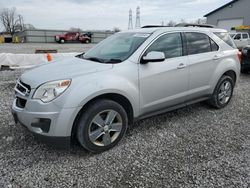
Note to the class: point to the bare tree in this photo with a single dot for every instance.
(11, 21)
(29, 26)
(183, 20)
(75, 29)
(201, 21)
(171, 23)
(116, 29)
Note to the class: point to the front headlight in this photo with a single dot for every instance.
(51, 90)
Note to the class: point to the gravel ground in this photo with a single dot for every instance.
(29, 48)
(194, 146)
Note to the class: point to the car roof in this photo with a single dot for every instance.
(169, 29)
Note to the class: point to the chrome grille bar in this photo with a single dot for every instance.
(27, 91)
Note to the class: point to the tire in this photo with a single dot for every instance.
(102, 125)
(62, 41)
(87, 41)
(220, 97)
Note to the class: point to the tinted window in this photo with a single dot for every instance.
(169, 44)
(198, 43)
(237, 37)
(226, 38)
(214, 46)
(245, 36)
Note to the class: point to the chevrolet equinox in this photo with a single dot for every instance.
(92, 98)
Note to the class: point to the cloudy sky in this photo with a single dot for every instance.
(107, 14)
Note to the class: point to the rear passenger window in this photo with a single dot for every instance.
(198, 43)
(226, 38)
(214, 46)
(245, 36)
(169, 44)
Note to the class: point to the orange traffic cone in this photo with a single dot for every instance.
(49, 57)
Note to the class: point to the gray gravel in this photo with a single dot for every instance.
(29, 48)
(194, 146)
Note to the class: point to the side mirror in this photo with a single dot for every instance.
(153, 57)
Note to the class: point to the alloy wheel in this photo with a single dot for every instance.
(105, 128)
(225, 92)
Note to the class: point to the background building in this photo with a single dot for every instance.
(233, 14)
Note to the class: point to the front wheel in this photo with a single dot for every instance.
(223, 92)
(102, 125)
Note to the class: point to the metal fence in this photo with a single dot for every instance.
(48, 36)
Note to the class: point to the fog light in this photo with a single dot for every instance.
(43, 124)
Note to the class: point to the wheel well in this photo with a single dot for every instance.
(120, 99)
(232, 74)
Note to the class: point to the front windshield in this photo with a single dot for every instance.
(116, 48)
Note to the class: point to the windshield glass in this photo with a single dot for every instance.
(116, 48)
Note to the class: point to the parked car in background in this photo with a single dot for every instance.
(240, 39)
(245, 61)
(126, 77)
(73, 37)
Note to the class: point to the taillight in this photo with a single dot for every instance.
(239, 54)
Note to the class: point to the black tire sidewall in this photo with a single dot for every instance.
(87, 116)
(215, 97)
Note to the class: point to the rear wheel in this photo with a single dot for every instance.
(223, 92)
(102, 125)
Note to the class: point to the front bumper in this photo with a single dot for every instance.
(46, 121)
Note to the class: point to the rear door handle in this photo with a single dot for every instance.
(216, 57)
(181, 66)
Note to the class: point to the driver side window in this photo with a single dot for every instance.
(169, 44)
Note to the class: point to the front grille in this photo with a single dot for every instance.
(22, 88)
(20, 103)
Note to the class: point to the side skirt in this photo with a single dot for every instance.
(162, 111)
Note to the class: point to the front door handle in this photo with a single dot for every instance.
(181, 66)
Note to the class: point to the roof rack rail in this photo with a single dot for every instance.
(151, 26)
(195, 25)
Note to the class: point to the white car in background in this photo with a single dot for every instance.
(241, 39)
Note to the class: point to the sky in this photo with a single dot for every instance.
(107, 14)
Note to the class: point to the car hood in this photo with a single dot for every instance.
(62, 69)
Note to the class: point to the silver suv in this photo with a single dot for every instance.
(128, 76)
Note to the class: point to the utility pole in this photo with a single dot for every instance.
(138, 19)
(130, 23)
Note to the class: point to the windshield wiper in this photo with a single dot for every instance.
(95, 59)
(80, 55)
(114, 61)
